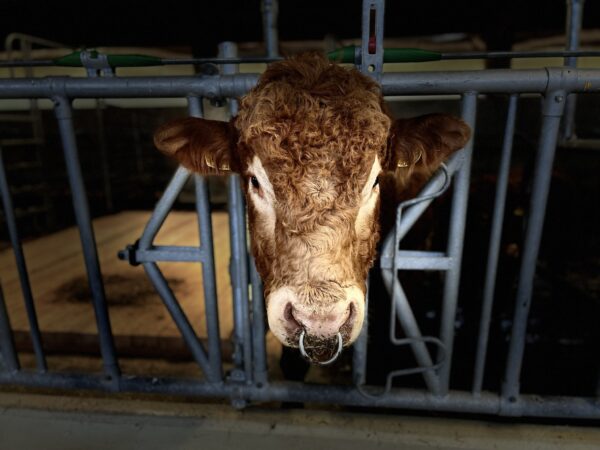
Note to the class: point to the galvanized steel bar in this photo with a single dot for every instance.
(270, 10)
(402, 312)
(180, 319)
(458, 217)
(359, 354)
(573, 27)
(259, 351)
(498, 81)
(494, 247)
(214, 86)
(239, 276)
(7, 345)
(371, 49)
(454, 401)
(13, 233)
(162, 208)
(416, 260)
(62, 110)
(552, 110)
(208, 275)
(502, 81)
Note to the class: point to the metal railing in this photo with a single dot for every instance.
(248, 381)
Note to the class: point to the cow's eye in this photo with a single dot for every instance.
(254, 182)
(376, 183)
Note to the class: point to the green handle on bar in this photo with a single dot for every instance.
(74, 60)
(390, 55)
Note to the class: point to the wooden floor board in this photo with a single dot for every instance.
(55, 262)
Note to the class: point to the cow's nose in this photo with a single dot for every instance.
(319, 325)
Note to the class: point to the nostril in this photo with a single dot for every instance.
(351, 314)
(288, 315)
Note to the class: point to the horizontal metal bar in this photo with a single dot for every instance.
(170, 253)
(504, 81)
(454, 401)
(425, 83)
(128, 87)
(417, 260)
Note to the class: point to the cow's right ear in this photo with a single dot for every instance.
(203, 146)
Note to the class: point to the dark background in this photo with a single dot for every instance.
(202, 25)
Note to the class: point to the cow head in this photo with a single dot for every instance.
(312, 141)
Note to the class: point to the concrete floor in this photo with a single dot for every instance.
(47, 422)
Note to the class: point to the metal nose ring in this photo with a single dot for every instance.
(329, 361)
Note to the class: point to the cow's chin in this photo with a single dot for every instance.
(288, 317)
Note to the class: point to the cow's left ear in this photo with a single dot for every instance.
(422, 143)
(204, 146)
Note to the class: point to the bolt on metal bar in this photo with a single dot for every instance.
(456, 235)
(270, 10)
(180, 319)
(259, 351)
(208, 275)
(573, 28)
(494, 246)
(7, 345)
(552, 110)
(13, 232)
(63, 113)
(371, 50)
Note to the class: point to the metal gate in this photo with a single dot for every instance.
(248, 381)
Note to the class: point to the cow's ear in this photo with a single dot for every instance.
(422, 143)
(203, 146)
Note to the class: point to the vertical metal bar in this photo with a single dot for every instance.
(371, 62)
(62, 110)
(208, 275)
(209, 283)
(270, 9)
(239, 249)
(573, 30)
(494, 247)
(7, 345)
(180, 319)
(239, 276)
(456, 233)
(229, 50)
(359, 356)
(195, 108)
(552, 110)
(258, 327)
(13, 233)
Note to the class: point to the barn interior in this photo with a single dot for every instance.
(125, 176)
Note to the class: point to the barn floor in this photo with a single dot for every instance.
(141, 324)
(116, 423)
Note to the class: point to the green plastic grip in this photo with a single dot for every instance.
(390, 55)
(74, 60)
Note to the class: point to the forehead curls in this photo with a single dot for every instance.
(307, 102)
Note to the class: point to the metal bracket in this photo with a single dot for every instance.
(96, 64)
(129, 253)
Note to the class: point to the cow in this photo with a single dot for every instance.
(319, 153)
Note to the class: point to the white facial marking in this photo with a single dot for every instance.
(369, 197)
(262, 198)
